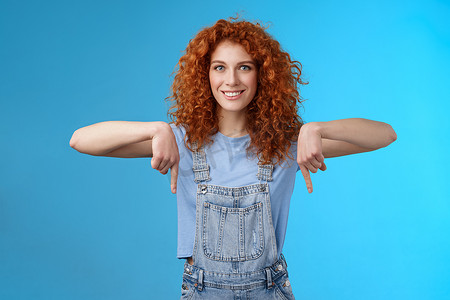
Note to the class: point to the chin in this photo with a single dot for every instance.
(232, 109)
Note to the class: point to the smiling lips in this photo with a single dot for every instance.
(232, 95)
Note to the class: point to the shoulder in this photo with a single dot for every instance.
(293, 155)
(179, 132)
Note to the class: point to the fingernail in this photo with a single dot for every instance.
(310, 190)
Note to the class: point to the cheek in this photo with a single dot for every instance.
(214, 85)
(252, 82)
(254, 85)
(213, 82)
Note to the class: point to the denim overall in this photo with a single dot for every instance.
(235, 251)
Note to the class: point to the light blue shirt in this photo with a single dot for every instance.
(230, 167)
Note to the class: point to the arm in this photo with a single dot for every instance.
(131, 139)
(350, 136)
(116, 137)
(318, 140)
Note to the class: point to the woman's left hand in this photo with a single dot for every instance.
(309, 152)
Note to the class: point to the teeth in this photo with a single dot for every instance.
(232, 94)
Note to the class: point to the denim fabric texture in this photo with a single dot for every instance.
(235, 250)
(229, 165)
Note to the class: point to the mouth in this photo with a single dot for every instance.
(232, 95)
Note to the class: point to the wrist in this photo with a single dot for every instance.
(317, 128)
(157, 128)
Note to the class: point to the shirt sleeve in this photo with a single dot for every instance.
(293, 151)
(179, 133)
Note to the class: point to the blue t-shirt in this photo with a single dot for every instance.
(231, 167)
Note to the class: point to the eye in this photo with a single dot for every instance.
(245, 68)
(219, 68)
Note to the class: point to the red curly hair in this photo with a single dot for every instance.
(272, 119)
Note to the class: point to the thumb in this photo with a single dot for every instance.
(173, 178)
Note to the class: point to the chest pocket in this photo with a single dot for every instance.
(232, 234)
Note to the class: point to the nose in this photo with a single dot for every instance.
(232, 78)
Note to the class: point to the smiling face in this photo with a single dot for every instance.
(233, 78)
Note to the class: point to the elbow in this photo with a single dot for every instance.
(386, 137)
(83, 144)
(391, 136)
(74, 140)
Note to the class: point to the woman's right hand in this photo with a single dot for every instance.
(165, 154)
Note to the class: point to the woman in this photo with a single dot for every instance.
(235, 137)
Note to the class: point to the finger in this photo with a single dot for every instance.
(305, 161)
(173, 178)
(310, 167)
(320, 158)
(155, 162)
(164, 167)
(323, 167)
(307, 178)
(317, 160)
(315, 163)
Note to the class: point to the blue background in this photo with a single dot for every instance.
(78, 227)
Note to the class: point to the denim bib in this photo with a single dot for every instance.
(235, 251)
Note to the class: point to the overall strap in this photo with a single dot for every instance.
(200, 167)
(265, 172)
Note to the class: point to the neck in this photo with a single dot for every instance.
(232, 124)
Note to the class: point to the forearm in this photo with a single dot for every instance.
(360, 132)
(102, 138)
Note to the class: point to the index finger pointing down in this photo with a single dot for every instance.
(307, 177)
(173, 178)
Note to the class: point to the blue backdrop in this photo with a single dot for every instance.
(78, 227)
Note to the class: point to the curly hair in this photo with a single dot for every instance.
(272, 119)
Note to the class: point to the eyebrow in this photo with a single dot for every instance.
(239, 63)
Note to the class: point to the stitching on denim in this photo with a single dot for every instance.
(200, 167)
(216, 254)
(265, 172)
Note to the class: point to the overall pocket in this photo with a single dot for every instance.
(232, 234)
